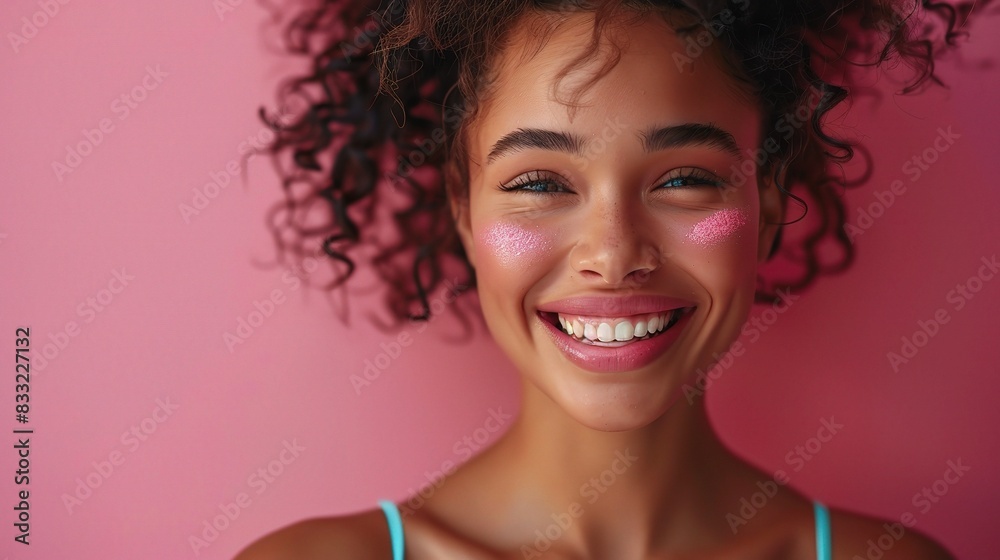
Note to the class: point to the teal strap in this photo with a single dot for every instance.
(823, 545)
(395, 528)
(824, 549)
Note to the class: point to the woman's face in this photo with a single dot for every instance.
(626, 204)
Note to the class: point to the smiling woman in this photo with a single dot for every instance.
(611, 176)
(618, 229)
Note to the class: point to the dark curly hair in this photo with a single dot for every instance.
(392, 89)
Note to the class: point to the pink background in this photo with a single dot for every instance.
(161, 337)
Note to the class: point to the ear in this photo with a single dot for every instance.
(772, 212)
(458, 199)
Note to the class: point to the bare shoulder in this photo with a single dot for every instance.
(855, 535)
(361, 536)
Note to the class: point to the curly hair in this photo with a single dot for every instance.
(392, 89)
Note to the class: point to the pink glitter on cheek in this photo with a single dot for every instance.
(514, 245)
(718, 227)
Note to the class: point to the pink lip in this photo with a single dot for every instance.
(604, 359)
(614, 306)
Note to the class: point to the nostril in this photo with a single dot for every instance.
(641, 276)
(590, 274)
(632, 279)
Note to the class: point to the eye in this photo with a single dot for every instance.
(535, 182)
(690, 177)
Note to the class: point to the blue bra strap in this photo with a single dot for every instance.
(395, 528)
(824, 548)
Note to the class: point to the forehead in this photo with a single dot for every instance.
(653, 80)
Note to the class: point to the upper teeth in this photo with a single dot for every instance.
(620, 329)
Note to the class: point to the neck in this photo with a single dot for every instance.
(659, 480)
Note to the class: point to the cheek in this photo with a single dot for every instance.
(513, 246)
(725, 245)
(719, 228)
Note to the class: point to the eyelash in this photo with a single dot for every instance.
(534, 178)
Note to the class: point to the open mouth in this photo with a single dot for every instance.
(615, 332)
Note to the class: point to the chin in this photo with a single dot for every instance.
(618, 409)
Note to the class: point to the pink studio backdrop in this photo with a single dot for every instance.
(148, 429)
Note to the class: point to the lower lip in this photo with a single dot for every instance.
(605, 359)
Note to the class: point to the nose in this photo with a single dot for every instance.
(615, 246)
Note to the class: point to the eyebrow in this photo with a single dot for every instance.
(653, 138)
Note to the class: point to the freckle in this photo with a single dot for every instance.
(515, 245)
(718, 227)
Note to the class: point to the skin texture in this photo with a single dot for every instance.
(611, 230)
